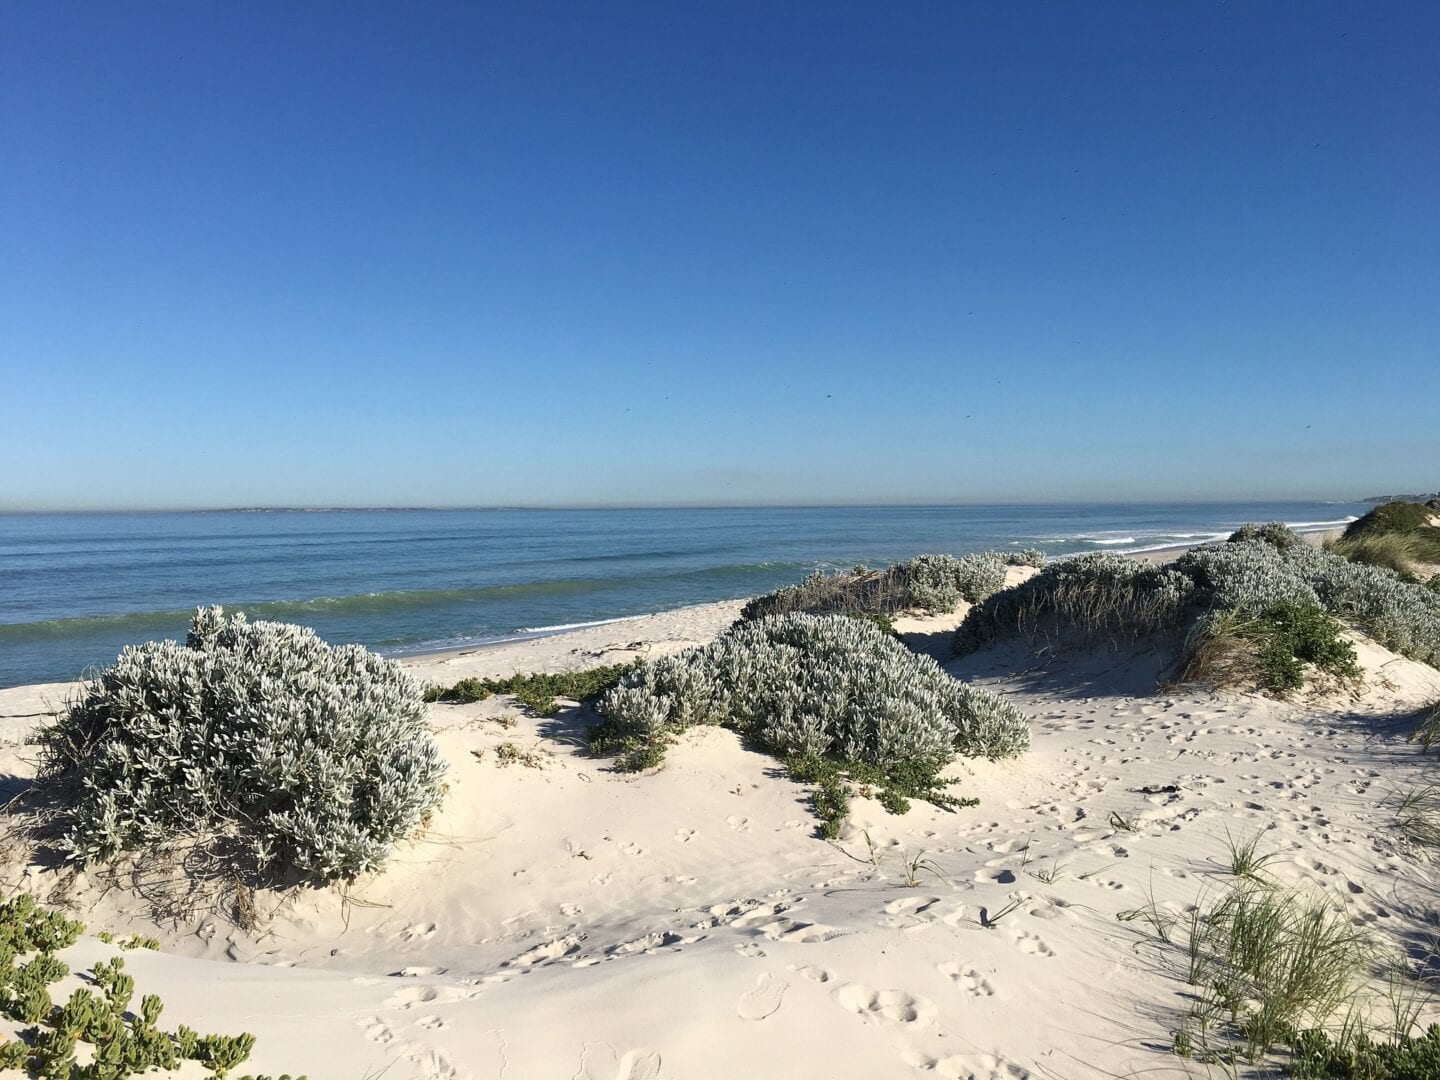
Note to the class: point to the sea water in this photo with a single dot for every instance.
(76, 588)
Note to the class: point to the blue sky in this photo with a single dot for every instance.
(431, 254)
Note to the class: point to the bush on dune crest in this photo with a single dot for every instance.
(1264, 586)
(813, 689)
(1398, 536)
(260, 738)
(933, 584)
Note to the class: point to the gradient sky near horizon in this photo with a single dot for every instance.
(529, 253)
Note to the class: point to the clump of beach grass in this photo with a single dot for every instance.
(1288, 982)
(1399, 536)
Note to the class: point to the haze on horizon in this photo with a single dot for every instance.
(536, 254)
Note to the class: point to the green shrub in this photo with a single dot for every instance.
(310, 758)
(1275, 533)
(1028, 557)
(1249, 575)
(811, 688)
(933, 584)
(1268, 648)
(538, 693)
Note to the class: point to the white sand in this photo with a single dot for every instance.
(687, 924)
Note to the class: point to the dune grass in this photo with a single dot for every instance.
(1286, 983)
(1399, 536)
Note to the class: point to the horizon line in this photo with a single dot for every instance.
(756, 505)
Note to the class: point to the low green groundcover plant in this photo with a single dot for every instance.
(259, 741)
(538, 693)
(123, 1041)
(1264, 588)
(837, 698)
(1319, 1055)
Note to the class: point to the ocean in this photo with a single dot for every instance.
(76, 588)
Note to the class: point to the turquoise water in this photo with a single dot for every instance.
(76, 588)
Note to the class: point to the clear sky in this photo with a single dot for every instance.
(477, 254)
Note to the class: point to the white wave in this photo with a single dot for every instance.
(559, 627)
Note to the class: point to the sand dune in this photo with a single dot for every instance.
(561, 920)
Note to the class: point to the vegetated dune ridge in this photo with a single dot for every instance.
(560, 920)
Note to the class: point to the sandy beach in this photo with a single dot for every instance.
(561, 920)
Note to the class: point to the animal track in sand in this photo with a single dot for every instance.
(429, 1023)
(684, 836)
(548, 950)
(972, 1067)
(885, 1006)
(814, 973)
(419, 931)
(739, 824)
(376, 1030)
(632, 849)
(966, 979)
(763, 999)
(995, 877)
(1030, 944)
(603, 1062)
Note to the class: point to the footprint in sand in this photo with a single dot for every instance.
(739, 824)
(418, 932)
(763, 999)
(966, 979)
(922, 912)
(603, 1062)
(995, 877)
(684, 836)
(412, 996)
(430, 1023)
(885, 1006)
(632, 849)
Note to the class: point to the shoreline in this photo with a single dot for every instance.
(614, 640)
